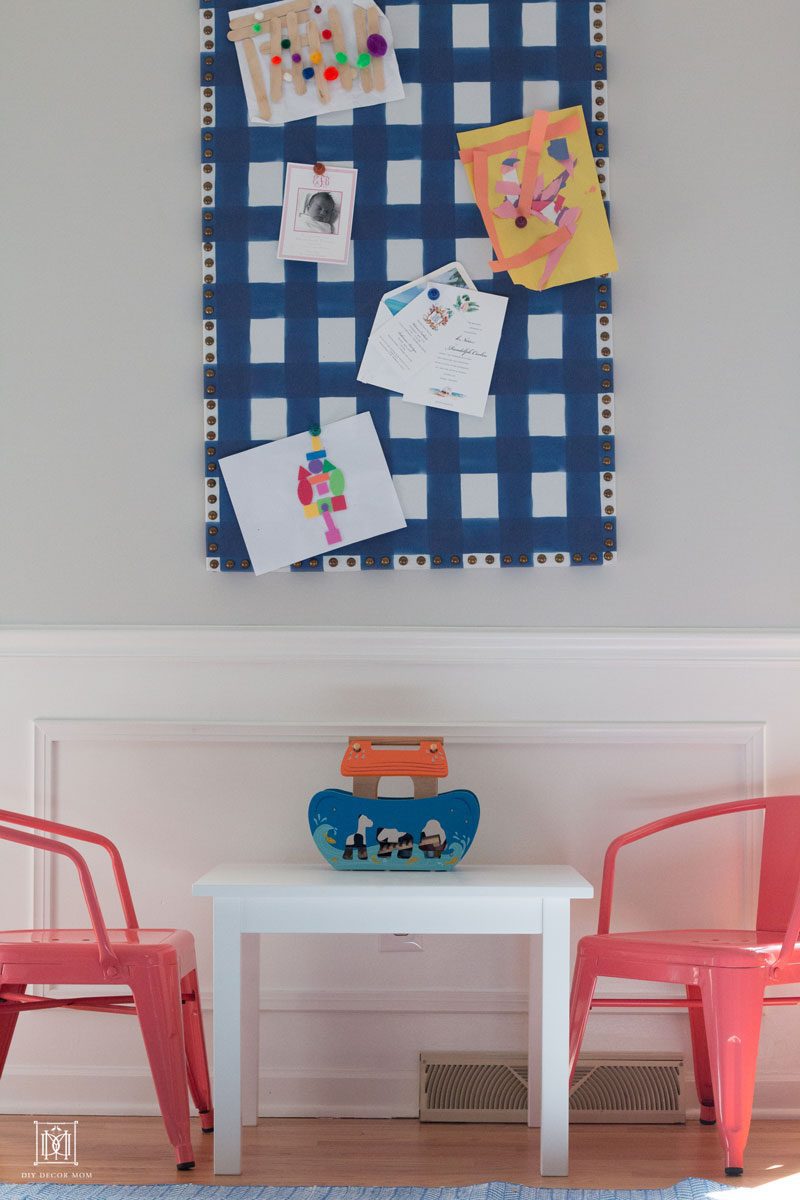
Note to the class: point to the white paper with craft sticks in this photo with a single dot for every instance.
(292, 107)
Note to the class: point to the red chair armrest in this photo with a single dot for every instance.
(108, 959)
(643, 831)
(83, 835)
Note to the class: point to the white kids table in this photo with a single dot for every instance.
(254, 898)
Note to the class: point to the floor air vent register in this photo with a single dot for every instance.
(619, 1089)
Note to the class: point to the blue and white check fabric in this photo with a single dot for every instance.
(532, 482)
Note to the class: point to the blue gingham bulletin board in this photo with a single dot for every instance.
(531, 484)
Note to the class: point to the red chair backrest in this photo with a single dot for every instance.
(780, 862)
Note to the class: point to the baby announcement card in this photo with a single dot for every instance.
(312, 493)
(317, 216)
(444, 344)
(301, 59)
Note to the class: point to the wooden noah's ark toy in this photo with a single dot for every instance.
(358, 831)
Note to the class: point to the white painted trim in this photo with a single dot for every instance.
(104, 1090)
(413, 645)
(128, 1091)
(747, 734)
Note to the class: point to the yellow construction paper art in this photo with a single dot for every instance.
(535, 183)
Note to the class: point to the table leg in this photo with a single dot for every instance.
(227, 1037)
(554, 1146)
(251, 989)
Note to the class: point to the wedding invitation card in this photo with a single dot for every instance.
(440, 348)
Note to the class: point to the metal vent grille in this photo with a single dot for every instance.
(624, 1088)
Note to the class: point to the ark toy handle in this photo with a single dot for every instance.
(368, 759)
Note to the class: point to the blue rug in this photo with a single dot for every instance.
(687, 1189)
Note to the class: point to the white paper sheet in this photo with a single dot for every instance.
(440, 350)
(292, 107)
(263, 486)
(373, 368)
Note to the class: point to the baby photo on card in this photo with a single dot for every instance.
(317, 214)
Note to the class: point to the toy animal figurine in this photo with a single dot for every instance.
(427, 832)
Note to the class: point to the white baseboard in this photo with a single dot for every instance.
(128, 1091)
(300, 1092)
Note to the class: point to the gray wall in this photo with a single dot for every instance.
(100, 420)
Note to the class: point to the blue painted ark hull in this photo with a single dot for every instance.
(393, 834)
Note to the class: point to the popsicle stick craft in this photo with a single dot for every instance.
(536, 186)
(297, 62)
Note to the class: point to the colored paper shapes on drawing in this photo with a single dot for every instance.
(535, 183)
(289, 495)
(320, 490)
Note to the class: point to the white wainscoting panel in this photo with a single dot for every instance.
(189, 747)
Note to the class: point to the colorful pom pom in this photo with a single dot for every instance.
(377, 44)
(331, 73)
(308, 72)
(315, 56)
(286, 43)
(363, 60)
(326, 33)
(295, 57)
(276, 60)
(256, 29)
(341, 57)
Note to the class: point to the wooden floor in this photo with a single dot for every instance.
(135, 1150)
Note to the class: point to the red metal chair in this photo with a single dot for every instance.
(158, 965)
(724, 971)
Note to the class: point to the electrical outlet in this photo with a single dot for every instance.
(400, 943)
